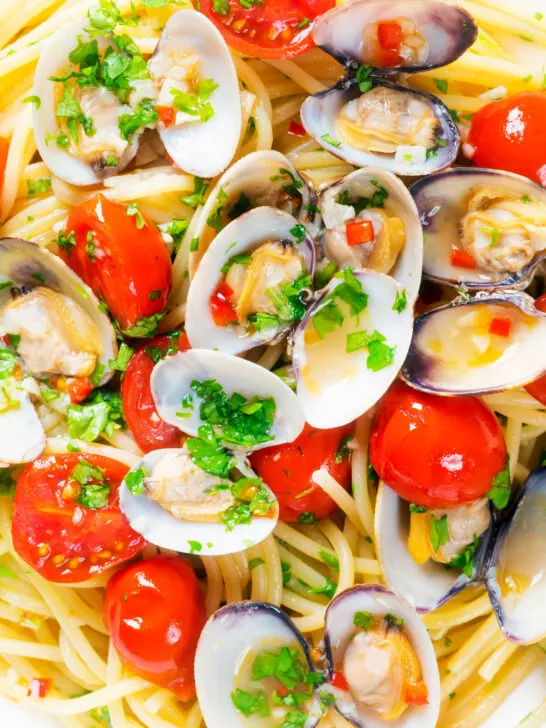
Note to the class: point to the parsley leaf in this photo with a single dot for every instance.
(401, 301)
(343, 452)
(250, 703)
(132, 211)
(145, 327)
(501, 489)
(200, 186)
(38, 186)
(465, 559)
(364, 620)
(122, 359)
(208, 454)
(144, 115)
(134, 480)
(439, 532)
(363, 78)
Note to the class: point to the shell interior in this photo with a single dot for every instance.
(22, 437)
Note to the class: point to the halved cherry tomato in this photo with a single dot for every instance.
(4, 149)
(149, 430)
(500, 326)
(339, 681)
(39, 687)
(462, 259)
(130, 266)
(359, 232)
(416, 693)
(267, 29)
(166, 114)
(509, 135)
(389, 35)
(537, 389)
(58, 536)
(154, 611)
(296, 129)
(222, 310)
(436, 451)
(287, 470)
(79, 388)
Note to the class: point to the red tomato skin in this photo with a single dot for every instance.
(130, 264)
(500, 326)
(537, 389)
(166, 115)
(462, 259)
(287, 470)
(4, 149)
(222, 310)
(154, 611)
(436, 451)
(148, 429)
(102, 537)
(79, 388)
(280, 16)
(509, 135)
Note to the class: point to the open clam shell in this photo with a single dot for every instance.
(339, 628)
(446, 31)
(488, 344)
(202, 148)
(334, 385)
(364, 183)
(231, 636)
(242, 236)
(172, 378)
(443, 203)
(22, 436)
(320, 112)
(516, 567)
(425, 586)
(160, 527)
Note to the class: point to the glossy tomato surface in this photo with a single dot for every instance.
(287, 470)
(436, 451)
(537, 389)
(268, 29)
(509, 135)
(124, 259)
(57, 535)
(149, 430)
(154, 611)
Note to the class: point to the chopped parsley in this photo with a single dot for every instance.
(122, 359)
(196, 104)
(288, 299)
(154, 295)
(328, 588)
(240, 206)
(329, 139)
(240, 259)
(254, 563)
(324, 274)
(7, 482)
(440, 84)
(250, 703)
(132, 211)
(293, 187)
(343, 451)
(38, 186)
(221, 6)
(380, 354)
(176, 229)
(264, 321)
(414, 508)
(94, 490)
(144, 115)
(454, 115)
(286, 573)
(401, 301)
(215, 219)
(439, 532)
(465, 559)
(157, 353)
(145, 327)
(365, 203)
(8, 362)
(499, 494)
(208, 454)
(67, 242)
(195, 547)
(330, 559)
(308, 519)
(304, 22)
(33, 100)
(134, 480)
(251, 498)
(102, 413)
(393, 620)
(363, 78)
(363, 620)
(200, 186)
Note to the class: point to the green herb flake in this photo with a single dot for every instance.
(122, 359)
(254, 563)
(439, 531)
(440, 84)
(33, 100)
(200, 187)
(363, 78)
(499, 494)
(330, 559)
(328, 138)
(363, 620)
(132, 211)
(38, 186)
(414, 508)
(195, 547)
(250, 703)
(401, 301)
(308, 519)
(343, 451)
(134, 480)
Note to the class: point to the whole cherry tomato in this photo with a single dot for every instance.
(66, 520)
(509, 135)
(123, 258)
(537, 389)
(149, 430)
(436, 451)
(267, 29)
(287, 470)
(154, 611)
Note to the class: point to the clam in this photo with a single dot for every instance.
(263, 178)
(195, 76)
(178, 505)
(78, 128)
(368, 120)
(409, 563)
(484, 229)
(235, 639)
(22, 437)
(378, 642)
(396, 245)
(185, 385)
(252, 283)
(516, 566)
(487, 344)
(350, 346)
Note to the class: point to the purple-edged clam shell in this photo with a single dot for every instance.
(426, 586)
(320, 111)
(227, 636)
(242, 235)
(440, 200)
(518, 560)
(448, 30)
(338, 631)
(335, 387)
(522, 361)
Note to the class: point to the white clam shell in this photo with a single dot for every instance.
(205, 148)
(22, 437)
(160, 527)
(171, 382)
(349, 388)
(241, 236)
(399, 203)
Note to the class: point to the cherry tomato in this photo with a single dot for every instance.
(62, 539)
(222, 310)
(537, 389)
(154, 611)
(462, 259)
(509, 135)
(287, 470)
(124, 259)
(149, 430)
(78, 389)
(166, 115)
(296, 129)
(436, 451)
(4, 149)
(269, 29)
(500, 326)
(358, 232)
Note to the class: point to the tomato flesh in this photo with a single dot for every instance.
(166, 115)
(436, 451)
(359, 232)
(79, 388)
(537, 389)
(131, 268)
(389, 35)
(287, 470)
(154, 611)
(60, 538)
(296, 129)
(269, 29)
(148, 429)
(462, 259)
(222, 310)
(509, 135)
(4, 149)
(500, 326)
